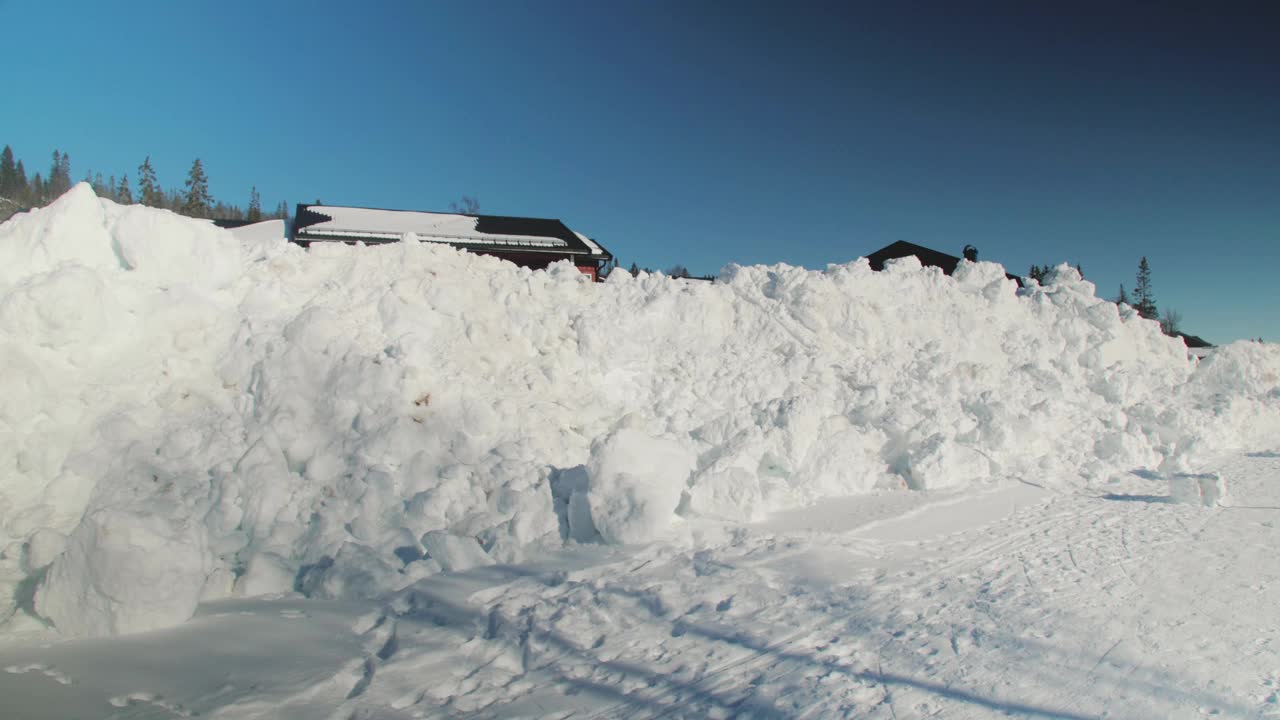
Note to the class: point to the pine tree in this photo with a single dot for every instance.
(58, 183)
(22, 190)
(1122, 298)
(36, 190)
(149, 192)
(635, 270)
(196, 201)
(8, 173)
(64, 174)
(255, 205)
(123, 195)
(282, 210)
(223, 211)
(1145, 300)
(1171, 323)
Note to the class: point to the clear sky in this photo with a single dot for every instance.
(704, 134)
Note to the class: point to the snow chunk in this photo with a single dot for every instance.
(266, 574)
(358, 571)
(941, 463)
(635, 483)
(124, 572)
(454, 552)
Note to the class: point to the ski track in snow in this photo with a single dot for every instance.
(1074, 607)
(1068, 605)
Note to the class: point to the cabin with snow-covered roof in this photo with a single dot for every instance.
(528, 242)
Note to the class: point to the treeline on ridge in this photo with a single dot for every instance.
(20, 191)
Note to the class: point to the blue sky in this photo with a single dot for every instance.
(704, 134)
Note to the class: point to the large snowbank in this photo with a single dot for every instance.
(190, 415)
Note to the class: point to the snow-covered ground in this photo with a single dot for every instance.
(1113, 602)
(241, 479)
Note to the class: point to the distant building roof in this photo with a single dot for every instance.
(1194, 341)
(481, 233)
(927, 256)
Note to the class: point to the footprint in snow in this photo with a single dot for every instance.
(124, 700)
(53, 673)
(1271, 697)
(146, 698)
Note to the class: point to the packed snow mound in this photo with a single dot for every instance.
(192, 414)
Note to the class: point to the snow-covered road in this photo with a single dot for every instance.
(1108, 602)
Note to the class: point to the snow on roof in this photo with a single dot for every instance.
(353, 222)
(317, 223)
(595, 249)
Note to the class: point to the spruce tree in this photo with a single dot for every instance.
(54, 168)
(196, 201)
(59, 176)
(22, 190)
(149, 192)
(8, 173)
(124, 196)
(255, 205)
(1145, 300)
(64, 174)
(1122, 298)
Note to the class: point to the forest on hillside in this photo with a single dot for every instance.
(21, 191)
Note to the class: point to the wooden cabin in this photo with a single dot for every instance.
(528, 242)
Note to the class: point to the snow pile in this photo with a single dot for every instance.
(192, 414)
